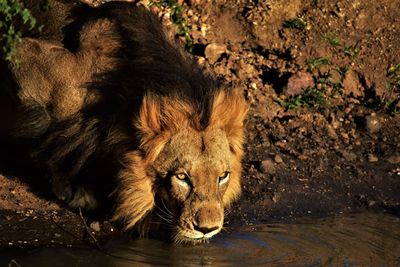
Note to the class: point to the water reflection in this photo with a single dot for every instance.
(358, 240)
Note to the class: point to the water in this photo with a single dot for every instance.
(353, 240)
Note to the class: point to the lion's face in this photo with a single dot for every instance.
(183, 173)
(195, 174)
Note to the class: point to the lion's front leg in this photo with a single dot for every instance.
(76, 196)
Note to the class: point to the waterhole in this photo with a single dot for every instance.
(351, 240)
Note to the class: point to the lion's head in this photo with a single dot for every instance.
(184, 172)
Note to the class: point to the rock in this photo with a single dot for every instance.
(214, 51)
(371, 203)
(349, 156)
(335, 76)
(372, 123)
(372, 158)
(278, 159)
(245, 70)
(394, 159)
(298, 82)
(275, 197)
(331, 132)
(95, 226)
(267, 166)
(351, 84)
(268, 108)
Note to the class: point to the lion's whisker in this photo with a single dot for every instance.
(165, 214)
(165, 219)
(227, 212)
(166, 208)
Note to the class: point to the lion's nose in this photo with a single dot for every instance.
(205, 229)
(207, 220)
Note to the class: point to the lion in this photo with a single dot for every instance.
(120, 116)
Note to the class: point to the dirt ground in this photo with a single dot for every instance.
(323, 82)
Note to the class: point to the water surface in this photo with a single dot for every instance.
(352, 240)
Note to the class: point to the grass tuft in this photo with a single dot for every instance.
(317, 62)
(331, 39)
(311, 97)
(296, 23)
(176, 10)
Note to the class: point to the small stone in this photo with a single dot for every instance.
(372, 158)
(278, 159)
(95, 226)
(275, 197)
(214, 51)
(267, 166)
(349, 156)
(351, 84)
(372, 123)
(394, 159)
(331, 132)
(335, 76)
(371, 203)
(298, 82)
(245, 70)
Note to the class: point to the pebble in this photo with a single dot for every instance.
(349, 156)
(278, 159)
(95, 226)
(298, 82)
(275, 197)
(245, 70)
(394, 159)
(267, 166)
(372, 123)
(372, 158)
(351, 84)
(331, 132)
(214, 51)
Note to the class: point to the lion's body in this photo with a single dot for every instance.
(119, 108)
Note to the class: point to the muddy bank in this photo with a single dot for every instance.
(323, 83)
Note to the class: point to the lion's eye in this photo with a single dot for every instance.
(181, 176)
(224, 178)
(182, 179)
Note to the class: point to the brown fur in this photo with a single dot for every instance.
(120, 113)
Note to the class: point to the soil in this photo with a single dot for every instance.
(323, 82)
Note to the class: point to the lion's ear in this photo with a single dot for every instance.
(134, 194)
(159, 118)
(149, 120)
(228, 112)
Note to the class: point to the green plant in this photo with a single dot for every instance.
(296, 23)
(331, 39)
(311, 97)
(393, 74)
(177, 19)
(12, 15)
(351, 50)
(392, 106)
(322, 93)
(343, 71)
(383, 103)
(315, 63)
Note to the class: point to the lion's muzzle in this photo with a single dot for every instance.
(208, 220)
